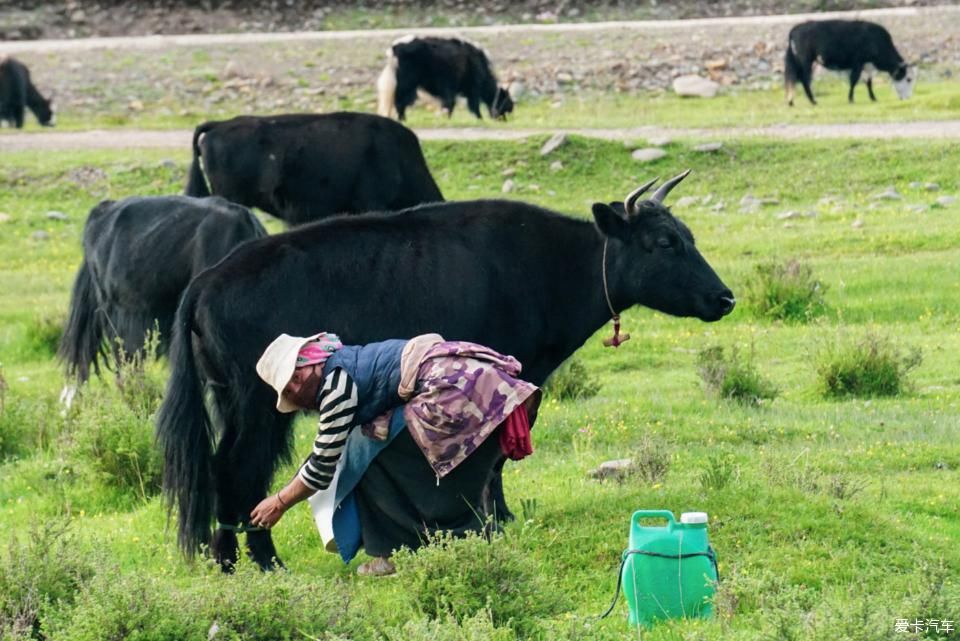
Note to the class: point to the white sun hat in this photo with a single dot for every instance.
(277, 363)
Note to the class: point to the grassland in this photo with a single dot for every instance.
(835, 518)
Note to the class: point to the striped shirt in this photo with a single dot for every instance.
(337, 403)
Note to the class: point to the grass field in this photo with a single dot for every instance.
(832, 519)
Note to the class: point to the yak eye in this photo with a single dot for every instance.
(664, 242)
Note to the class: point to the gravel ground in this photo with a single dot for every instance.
(208, 76)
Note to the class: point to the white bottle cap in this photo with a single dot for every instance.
(693, 517)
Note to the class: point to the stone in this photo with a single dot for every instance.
(857, 224)
(931, 187)
(889, 194)
(553, 144)
(5, 217)
(659, 141)
(135, 105)
(694, 86)
(787, 215)
(917, 209)
(57, 215)
(946, 201)
(517, 90)
(508, 186)
(509, 171)
(556, 165)
(686, 201)
(40, 235)
(648, 154)
(709, 147)
(564, 78)
(617, 470)
(716, 64)
(167, 163)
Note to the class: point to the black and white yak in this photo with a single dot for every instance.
(304, 167)
(860, 47)
(17, 93)
(444, 68)
(521, 279)
(138, 256)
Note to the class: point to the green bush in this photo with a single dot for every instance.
(478, 627)
(866, 367)
(461, 577)
(784, 291)
(26, 424)
(43, 568)
(43, 334)
(718, 472)
(571, 382)
(732, 376)
(247, 605)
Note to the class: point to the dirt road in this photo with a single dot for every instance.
(141, 139)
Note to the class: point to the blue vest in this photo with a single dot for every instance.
(375, 368)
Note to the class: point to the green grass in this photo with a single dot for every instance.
(800, 558)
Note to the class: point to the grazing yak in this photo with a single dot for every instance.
(138, 256)
(860, 47)
(524, 280)
(18, 93)
(304, 167)
(444, 68)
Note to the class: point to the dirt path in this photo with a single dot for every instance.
(180, 139)
(164, 42)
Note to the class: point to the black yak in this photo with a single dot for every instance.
(524, 280)
(17, 93)
(444, 68)
(860, 47)
(304, 167)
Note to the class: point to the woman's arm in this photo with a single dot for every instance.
(272, 508)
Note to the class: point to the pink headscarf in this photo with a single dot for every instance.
(318, 350)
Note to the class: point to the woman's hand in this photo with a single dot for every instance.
(267, 512)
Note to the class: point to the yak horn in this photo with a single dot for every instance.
(665, 188)
(629, 201)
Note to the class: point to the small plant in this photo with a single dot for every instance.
(732, 377)
(43, 334)
(571, 382)
(843, 487)
(868, 367)
(784, 291)
(463, 577)
(719, 471)
(139, 390)
(652, 458)
(45, 567)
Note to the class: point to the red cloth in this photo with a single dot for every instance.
(515, 435)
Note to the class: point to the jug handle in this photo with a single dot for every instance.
(653, 514)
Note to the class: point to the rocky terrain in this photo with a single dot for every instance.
(29, 19)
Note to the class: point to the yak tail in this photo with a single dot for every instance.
(185, 435)
(82, 340)
(792, 71)
(196, 183)
(387, 86)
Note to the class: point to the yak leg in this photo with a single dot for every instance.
(406, 93)
(870, 88)
(500, 509)
(854, 79)
(255, 439)
(806, 75)
(473, 104)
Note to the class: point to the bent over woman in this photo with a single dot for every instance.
(404, 474)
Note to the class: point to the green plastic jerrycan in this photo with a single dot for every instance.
(668, 571)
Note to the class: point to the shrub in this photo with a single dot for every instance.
(248, 605)
(45, 567)
(718, 472)
(44, 332)
(867, 367)
(478, 627)
(732, 377)
(461, 577)
(784, 291)
(571, 382)
(26, 424)
(652, 458)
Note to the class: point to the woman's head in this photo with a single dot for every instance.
(293, 366)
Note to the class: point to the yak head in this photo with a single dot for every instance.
(502, 104)
(651, 258)
(904, 79)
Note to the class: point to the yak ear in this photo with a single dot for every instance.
(611, 223)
